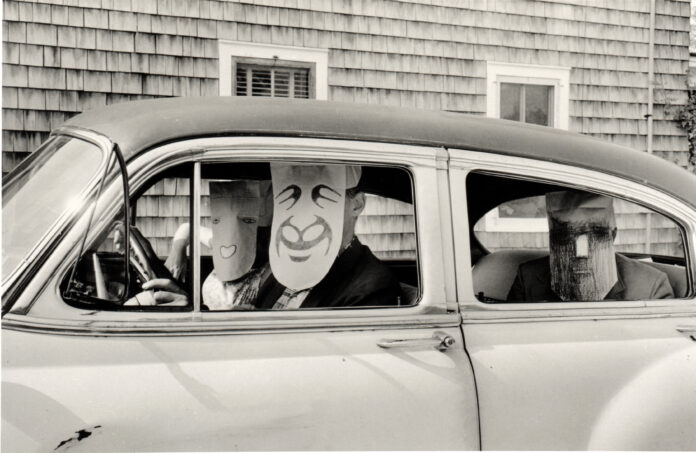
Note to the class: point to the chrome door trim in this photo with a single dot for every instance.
(47, 241)
(462, 162)
(186, 327)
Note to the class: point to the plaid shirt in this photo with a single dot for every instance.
(290, 299)
(219, 295)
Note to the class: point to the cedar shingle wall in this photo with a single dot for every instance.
(66, 56)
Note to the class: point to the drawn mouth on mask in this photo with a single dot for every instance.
(227, 251)
(299, 249)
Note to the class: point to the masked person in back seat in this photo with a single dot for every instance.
(315, 257)
(582, 264)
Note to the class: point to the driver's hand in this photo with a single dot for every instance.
(167, 292)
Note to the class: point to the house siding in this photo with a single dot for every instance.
(66, 56)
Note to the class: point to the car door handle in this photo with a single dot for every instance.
(689, 331)
(439, 341)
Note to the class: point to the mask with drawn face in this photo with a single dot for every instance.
(308, 207)
(582, 260)
(235, 207)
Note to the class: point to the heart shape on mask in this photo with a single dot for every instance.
(226, 251)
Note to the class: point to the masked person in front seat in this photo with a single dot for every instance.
(240, 215)
(315, 257)
(582, 264)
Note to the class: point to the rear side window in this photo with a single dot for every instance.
(538, 242)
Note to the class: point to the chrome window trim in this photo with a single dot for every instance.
(373, 320)
(141, 168)
(55, 230)
(463, 162)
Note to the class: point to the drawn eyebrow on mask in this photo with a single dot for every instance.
(294, 195)
(316, 194)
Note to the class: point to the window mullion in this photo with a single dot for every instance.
(291, 85)
(523, 104)
(195, 242)
(250, 81)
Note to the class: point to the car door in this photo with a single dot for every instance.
(574, 376)
(186, 379)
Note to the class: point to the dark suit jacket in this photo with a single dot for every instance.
(636, 281)
(357, 278)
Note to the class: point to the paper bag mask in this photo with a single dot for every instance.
(308, 209)
(234, 207)
(582, 260)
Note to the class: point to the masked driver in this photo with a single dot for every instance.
(315, 257)
(582, 264)
(240, 215)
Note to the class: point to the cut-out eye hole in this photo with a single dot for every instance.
(293, 193)
(248, 220)
(333, 196)
(216, 220)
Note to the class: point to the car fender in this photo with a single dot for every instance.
(655, 410)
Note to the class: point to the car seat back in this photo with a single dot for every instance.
(494, 274)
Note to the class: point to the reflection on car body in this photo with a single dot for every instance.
(127, 327)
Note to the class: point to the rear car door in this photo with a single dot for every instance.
(597, 375)
(88, 378)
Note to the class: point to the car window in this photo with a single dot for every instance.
(47, 185)
(271, 236)
(538, 242)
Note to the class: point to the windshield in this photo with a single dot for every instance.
(40, 190)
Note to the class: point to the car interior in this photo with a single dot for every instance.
(146, 264)
(494, 270)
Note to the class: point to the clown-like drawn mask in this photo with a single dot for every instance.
(235, 207)
(308, 207)
(583, 264)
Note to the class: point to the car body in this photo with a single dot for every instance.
(447, 371)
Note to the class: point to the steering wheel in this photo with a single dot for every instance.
(144, 260)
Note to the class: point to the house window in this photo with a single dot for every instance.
(531, 94)
(249, 69)
(527, 103)
(271, 81)
(528, 93)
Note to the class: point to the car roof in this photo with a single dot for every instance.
(139, 125)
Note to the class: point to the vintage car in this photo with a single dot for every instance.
(454, 204)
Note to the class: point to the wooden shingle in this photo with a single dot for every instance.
(96, 60)
(50, 78)
(86, 38)
(44, 34)
(30, 55)
(9, 97)
(97, 81)
(121, 20)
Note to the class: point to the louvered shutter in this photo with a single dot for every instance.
(257, 80)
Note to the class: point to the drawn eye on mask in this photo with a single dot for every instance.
(334, 197)
(292, 193)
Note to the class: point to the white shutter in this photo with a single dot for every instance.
(258, 80)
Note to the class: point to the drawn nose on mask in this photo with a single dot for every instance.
(582, 246)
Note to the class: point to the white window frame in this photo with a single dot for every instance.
(237, 49)
(555, 76)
